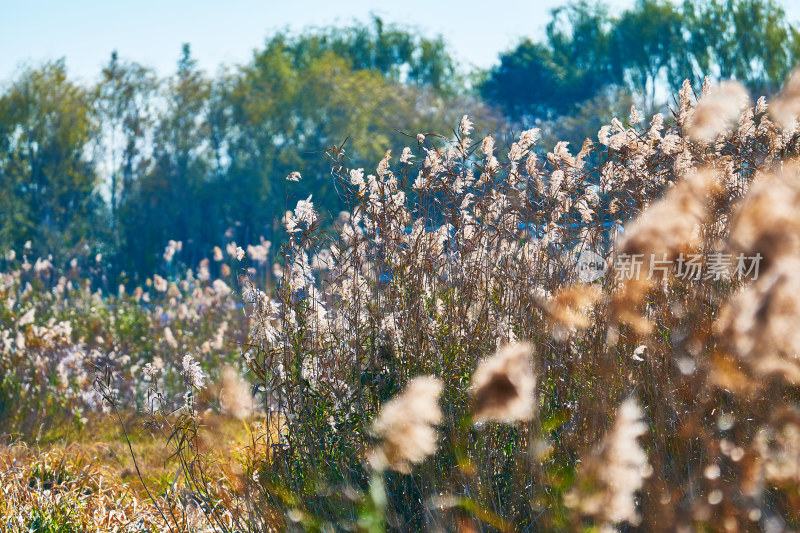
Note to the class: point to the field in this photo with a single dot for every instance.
(488, 339)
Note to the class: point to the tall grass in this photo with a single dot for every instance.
(437, 359)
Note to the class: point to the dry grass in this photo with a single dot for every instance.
(69, 489)
(662, 401)
(85, 480)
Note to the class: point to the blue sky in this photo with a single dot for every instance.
(152, 31)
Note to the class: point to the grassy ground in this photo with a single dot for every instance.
(220, 438)
(72, 478)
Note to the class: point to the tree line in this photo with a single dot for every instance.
(122, 166)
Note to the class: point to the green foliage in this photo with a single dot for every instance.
(47, 181)
(545, 80)
(169, 197)
(57, 520)
(123, 102)
(391, 50)
(749, 40)
(648, 46)
(653, 44)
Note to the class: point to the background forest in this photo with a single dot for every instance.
(122, 166)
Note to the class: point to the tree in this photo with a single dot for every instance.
(167, 202)
(649, 46)
(528, 83)
(123, 102)
(654, 44)
(285, 109)
(749, 40)
(190, 157)
(398, 53)
(47, 178)
(545, 80)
